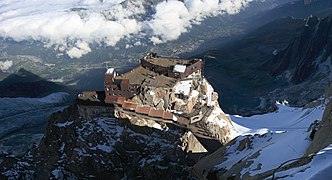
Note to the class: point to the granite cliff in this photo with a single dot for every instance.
(118, 140)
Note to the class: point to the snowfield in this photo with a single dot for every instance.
(22, 120)
(276, 138)
(284, 119)
(319, 168)
(9, 106)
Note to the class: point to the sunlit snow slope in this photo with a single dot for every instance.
(319, 168)
(280, 136)
(264, 142)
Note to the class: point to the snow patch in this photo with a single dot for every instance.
(57, 173)
(209, 92)
(183, 87)
(157, 126)
(214, 118)
(65, 124)
(193, 94)
(57, 80)
(103, 147)
(152, 93)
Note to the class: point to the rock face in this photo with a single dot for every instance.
(278, 61)
(89, 142)
(191, 144)
(194, 99)
(323, 136)
(303, 55)
(304, 65)
(102, 148)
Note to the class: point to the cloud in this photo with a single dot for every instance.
(5, 65)
(156, 40)
(79, 50)
(172, 18)
(73, 25)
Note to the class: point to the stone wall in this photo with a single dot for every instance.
(90, 112)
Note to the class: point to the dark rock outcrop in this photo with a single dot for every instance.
(323, 136)
(302, 56)
(101, 148)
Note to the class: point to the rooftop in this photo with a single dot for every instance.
(168, 61)
(144, 76)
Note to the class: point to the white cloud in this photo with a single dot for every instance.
(71, 25)
(5, 65)
(172, 18)
(156, 40)
(80, 49)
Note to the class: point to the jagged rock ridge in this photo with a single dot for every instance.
(302, 57)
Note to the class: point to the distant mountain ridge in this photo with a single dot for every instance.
(313, 46)
(234, 71)
(277, 61)
(3, 75)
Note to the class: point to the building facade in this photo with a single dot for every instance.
(178, 68)
(152, 66)
(118, 87)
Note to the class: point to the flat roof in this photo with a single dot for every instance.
(167, 115)
(129, 106)
(168, 61)
(156, 113)
(143, 110)
(179, 68)
(183, 120)
(143, 76)
(110, 71)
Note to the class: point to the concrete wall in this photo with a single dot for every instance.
(168, 71)
(197, 66)
(156, 68)
(90, 112)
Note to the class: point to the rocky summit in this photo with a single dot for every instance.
(157, 132)
(76, 148)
